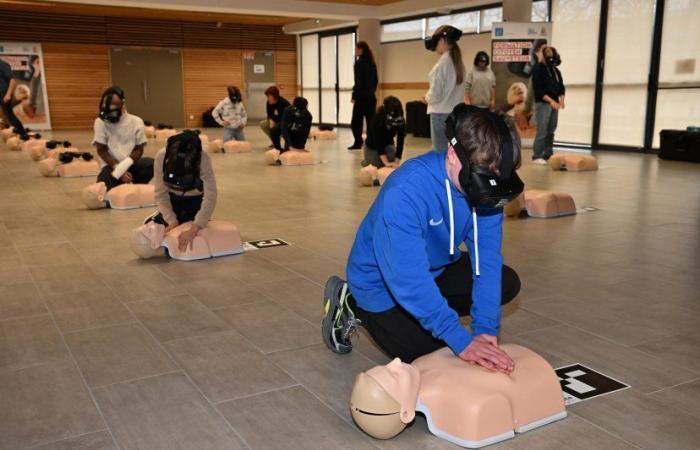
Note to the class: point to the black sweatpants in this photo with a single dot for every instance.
(276, 137)
(362, 109)
(184, 207)
(141, 171)
(12, 118)
(400, 335)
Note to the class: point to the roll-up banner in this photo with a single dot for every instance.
(29, 99)
(513, 57)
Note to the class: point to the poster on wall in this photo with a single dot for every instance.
(29, 99)
(513, 57)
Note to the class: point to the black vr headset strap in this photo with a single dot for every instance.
(507, 151)
(106, 100)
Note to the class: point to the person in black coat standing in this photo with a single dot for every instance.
(550, 97)
(364, 98)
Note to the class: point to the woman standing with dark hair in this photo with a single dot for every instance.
(446, 81)
(364, 98)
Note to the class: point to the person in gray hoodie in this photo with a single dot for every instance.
(230, 114)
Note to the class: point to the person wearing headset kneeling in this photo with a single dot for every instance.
(408, 282)
(120, 140)
(185, 186)
(388, 123)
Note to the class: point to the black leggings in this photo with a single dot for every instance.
(184, 207)
(141, 171)
(362, 110)
(400, 334)
(12, 118)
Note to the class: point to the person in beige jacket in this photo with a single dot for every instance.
(185, 186)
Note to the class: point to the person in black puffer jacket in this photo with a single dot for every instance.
(388, 123)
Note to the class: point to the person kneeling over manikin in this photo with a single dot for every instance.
(408, 282)
(296, 126)
(388, 123)
(120, 139)
(185, 186)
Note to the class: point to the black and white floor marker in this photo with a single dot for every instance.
(265, 243)
(579, 383)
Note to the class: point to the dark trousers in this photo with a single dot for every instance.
(14, 121)
(141, 171)
(276, 137)
(547, 119)
(362, 109)
(400, 335)
(184, 207)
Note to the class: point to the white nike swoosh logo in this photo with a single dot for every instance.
(433, 223)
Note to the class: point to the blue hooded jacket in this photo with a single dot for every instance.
(411, 232)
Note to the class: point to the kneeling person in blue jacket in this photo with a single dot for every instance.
(408, 282)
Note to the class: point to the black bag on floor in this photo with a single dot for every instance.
(417, 119)
(680, 145)
(208, 120)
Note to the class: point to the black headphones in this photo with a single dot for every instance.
(485, 189)
(393, 112)
(482, 56)
(234, 94)
(106, 111)
(450, 33)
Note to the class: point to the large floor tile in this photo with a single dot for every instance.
(136, 283)
(100, 440)
(87, 309)
(270, 327)
(294, 418)
(50, 255)
(685, 397)
(65, 278)
(298, 294)
(163, 413)
(117, 353)
(642, 420)
(225, 366)
(43, 404)
(219, 292)
(328, 375)
(564, 344)
(20, 300)
(177, 317)
(29, 342)
(681, 350)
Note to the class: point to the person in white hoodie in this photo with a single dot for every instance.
(230, 114)
(447, 81)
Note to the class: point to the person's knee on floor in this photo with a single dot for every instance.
(120, 139)
(403, 245)
(275, 107)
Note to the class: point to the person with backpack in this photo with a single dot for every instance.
(185, 186)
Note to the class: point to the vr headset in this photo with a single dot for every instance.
(53, 144)
(107, 113)
(450, 33)
(481, 57)
(234, 94)
(67, 157)
(297, 121)
(552, 58)
(485, 189)
(183, 157)
(393, 111)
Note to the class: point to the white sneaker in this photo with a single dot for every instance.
(539, 162)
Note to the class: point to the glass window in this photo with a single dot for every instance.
(401, 31)
(346, 61)
(309, 72)
(575, 35)
(488, 17)
(328, 80)
(678, 100)
(540, 11)
(627, 55)
(468, 22)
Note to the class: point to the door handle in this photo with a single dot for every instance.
(145, 91)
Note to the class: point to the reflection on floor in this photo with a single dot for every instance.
(100, 350)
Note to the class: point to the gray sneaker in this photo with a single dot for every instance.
(340, 322)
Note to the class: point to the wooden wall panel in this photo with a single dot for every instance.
(206, 73)
(76, 76)
(286, 73)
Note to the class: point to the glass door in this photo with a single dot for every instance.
(329, 80)
(346, 78)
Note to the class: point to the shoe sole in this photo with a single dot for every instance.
(334, 286)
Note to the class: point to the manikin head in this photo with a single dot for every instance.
(146, 240)
(517, 93)
(94, 195)
(384, 399)
(273, 95)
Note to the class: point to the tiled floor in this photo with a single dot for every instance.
(99, 350)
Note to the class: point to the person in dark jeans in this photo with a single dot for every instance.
(271, 125)
(408, 282)
(550, 92)
(7, 87)
(386, 125)
(363, 92)
(120, 140)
